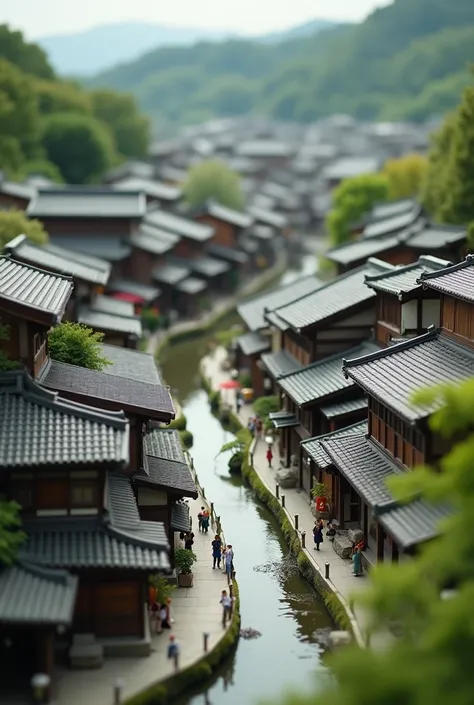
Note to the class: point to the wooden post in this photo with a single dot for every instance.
(297, 520)
(303, 539)
(277, 491)
(205, 639)
(326, 570)
(283, 501)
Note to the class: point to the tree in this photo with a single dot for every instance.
(77, 344)
(119, 112)
(433, 188)
(213, 180)
(40, 167)
(352, 199)
(430, 661)
(61, 97)
(80, 146)
(14, 223)
(11, 536)
(30, 58)
(405, 175)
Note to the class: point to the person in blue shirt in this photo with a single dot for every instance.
(216, 552)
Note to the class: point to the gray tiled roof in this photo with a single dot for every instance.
(170, 274)
(336, 297)
(357, 250)
(84, 542)
(12, 188)
(395, 374)
(172, 173)
(87, 202)
(131, 364)
(268, 217)
(207, 266)
(391, 225)
(38, 428)
(432, 236)
(343, 407)
(258, 149)
(192, 285)
(57, 259)
(131, 168)
(403, 281)
(139, 397)
(316, 452)
(273, 319)
(180, 519)
(227, 253)
(150, 187)
(154, 240)
(365, 466)
(164, 443)
(171, 474)
(30, 594)
(387, 210)
(262, 232)
(108, 304)
(180, 226)
(147, 293)
(323, 378)
(121, 503)
(348, 167)
(109, 322)
(41, 291)
(414, 523)
(111, 248)
(252, 343)
(252, 311)
(228, 215)
(280, 363)
(456, 281)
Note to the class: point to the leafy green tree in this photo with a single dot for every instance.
(80, 146)
(120, 113)
(433, 189)
(5, 362)
(77, 344)
(430, 661)
(14, 223)
(405, 175)
(61, 97)
(19, 116)
(213, 180)
(352, 199)
(41, 167)
(11, 536)
(29, 57)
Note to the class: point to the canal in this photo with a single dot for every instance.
(275, 600)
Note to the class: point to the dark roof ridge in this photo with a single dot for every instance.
(10, 256)
(98, 190)
(385, 236)
(398, 269)
(129, 533)
(468, 261)
(330, 358)
(53, 575)
(333, 433)
(31, 389)
(431, 334)
(167, 460)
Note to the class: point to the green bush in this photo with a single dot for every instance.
(180, 423)
(186, 438)
(245, 380)
(215, 400)
(150, 320)
(235, 463)
(266, 405)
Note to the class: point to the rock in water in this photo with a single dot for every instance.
(249, 633)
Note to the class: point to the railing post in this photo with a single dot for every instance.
(297, 521)
(326, 571)
(277, 490)
(203, 492)
(205, 638)
(303, 539)
(283, 501)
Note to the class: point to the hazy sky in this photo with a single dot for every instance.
(44, 17)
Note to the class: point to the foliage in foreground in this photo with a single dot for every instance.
(79, 345)
(5, 363)
(14, 223)
(11, 536)
(213, 180)
(431, 660)
(405, 175)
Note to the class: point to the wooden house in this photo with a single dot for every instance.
(14, 195)
(84, 566)
(131, 169)
(156, 192)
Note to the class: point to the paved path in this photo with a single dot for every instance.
(344, 583)
(195, 610)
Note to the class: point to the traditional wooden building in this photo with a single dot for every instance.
(84, 566)
(156, 192)
(15, 195)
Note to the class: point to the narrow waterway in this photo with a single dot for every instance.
(275, 600)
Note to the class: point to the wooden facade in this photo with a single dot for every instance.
(457, 320)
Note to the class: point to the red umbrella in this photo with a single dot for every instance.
(230, 384)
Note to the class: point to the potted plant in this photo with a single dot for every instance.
(160, 589)
(320, 495)
(184, 559)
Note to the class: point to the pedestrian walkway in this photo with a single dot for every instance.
(342, 580)
(195, 611)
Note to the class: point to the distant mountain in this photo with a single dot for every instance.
(101, 48)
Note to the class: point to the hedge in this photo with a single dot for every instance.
(180, 423)
(167, 691)
(186, 438)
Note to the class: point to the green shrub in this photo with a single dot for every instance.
(245, 380)
(180, 423)
(184, 560)
(235, 463)
(215, 400)
(186, 438)
(163, 587)
(150, 320)
(265, 406)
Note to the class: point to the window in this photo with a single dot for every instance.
(83, 495)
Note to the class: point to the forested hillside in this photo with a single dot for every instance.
(406, 61)
(57, 128)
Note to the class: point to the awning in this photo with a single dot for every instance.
(283, 419)
(131, 298)
(180, 520)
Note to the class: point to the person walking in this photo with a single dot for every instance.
(251, 426)
(174, 651)
(269, 456)
(357, 560)
(216, 552)
(258, 426)
(238, 402)
(318, 533)
(201, 512)
(205, 521)
(229, 562)
(189, 541)
(226, 602)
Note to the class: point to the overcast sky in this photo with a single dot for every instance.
(45, 17)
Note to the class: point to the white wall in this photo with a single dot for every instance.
(431, 313)
(429, 316)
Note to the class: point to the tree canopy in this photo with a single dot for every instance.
(405, 175)
(430, 661)
(131, 130)
(11, 535)
(77, 344)
(352, 199)
(14, 223)
(213, 180)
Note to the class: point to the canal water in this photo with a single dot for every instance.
(275, 600)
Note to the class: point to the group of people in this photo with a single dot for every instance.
(255, 426)
(203, 520)
(222, 554)
(357, 549)
(160, 614)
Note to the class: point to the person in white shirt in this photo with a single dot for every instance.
(226, 603)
